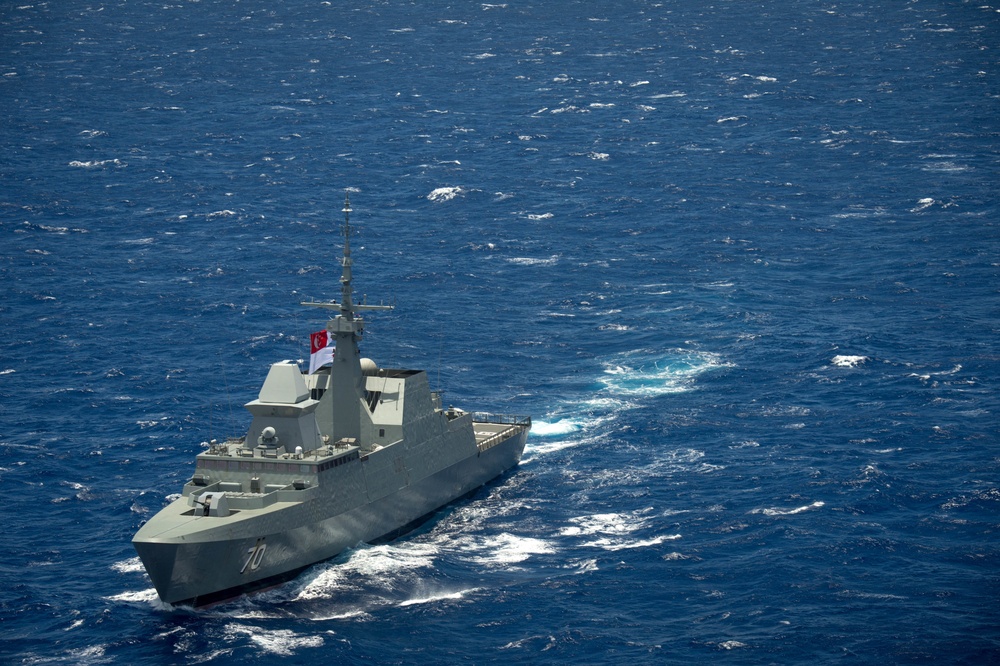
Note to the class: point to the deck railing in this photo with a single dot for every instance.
(516, 425)
(507, 419)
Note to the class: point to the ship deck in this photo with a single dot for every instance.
(493, 429)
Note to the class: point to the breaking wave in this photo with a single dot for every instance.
(443, 194)
(645, 374)
(788, 512)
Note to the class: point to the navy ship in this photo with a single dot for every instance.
(349, 454)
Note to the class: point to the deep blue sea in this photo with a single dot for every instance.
(740, 261)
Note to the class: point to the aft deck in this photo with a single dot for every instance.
(493, 429)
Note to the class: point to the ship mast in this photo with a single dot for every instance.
(346, 307)
(346, 378)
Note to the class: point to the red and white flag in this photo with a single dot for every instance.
(321, 352)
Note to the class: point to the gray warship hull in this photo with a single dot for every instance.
(249, 550)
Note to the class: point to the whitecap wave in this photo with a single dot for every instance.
(445, 596)
(505, 549)
(788, 512)
(533, 261)
(605, 523)
(881, 596)
(93, 164)
(611, 544)
(845, 361)
(282, 642)
(93, 654)
(646, 375)
(613, 531)
(443, 194)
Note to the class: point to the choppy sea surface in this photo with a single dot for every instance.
(740, 262)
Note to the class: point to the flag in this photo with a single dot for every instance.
(321, 350)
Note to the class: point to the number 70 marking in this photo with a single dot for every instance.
(255, 555)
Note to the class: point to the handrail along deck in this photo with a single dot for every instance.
(517, 425)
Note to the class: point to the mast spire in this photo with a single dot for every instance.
(346, 306)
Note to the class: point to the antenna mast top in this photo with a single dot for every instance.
(346, 306)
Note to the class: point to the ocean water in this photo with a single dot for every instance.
(739, 261)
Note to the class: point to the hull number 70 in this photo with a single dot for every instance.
(255, 555)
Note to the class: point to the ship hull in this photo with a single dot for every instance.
(254, 552)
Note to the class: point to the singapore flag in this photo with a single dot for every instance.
(321, 355)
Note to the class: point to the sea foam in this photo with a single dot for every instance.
(848, 361)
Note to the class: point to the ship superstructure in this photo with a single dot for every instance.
(352, 453)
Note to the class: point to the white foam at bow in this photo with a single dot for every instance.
(373, 564)
(132, 565)
(135, 597)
